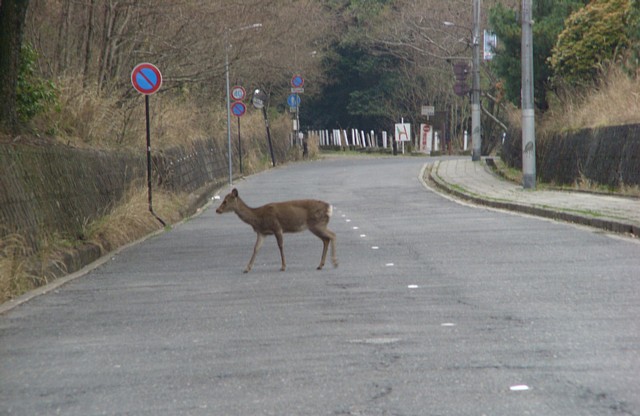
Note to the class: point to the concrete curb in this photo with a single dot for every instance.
(604, 224)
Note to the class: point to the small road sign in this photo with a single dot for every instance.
(297, 81)
(428, 110)
(238, 109)
(238, 93)
(146, 78)
(293, 100)
(403, 132)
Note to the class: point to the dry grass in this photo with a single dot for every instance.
(14, 275)
(615, 102)
(132, 220)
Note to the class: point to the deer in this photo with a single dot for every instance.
(277, 218)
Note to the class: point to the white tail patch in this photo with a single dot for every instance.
(330, 210)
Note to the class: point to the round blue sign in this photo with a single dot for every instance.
(146, 78)
(297, 81)
(238, 108)
(293, 100)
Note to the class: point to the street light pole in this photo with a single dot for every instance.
(476, 128)
(226, 75)
(528, 111)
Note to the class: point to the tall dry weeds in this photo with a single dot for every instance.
(615, 102)
(131, 220)
(14, 278)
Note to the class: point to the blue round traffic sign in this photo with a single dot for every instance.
(238, 108)
(297, 81)
(146, 78)
(293, 100)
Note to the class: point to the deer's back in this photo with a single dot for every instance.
(293, 216)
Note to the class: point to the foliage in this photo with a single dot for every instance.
(361, 81)
(593, 36)
(548, 16)
(361, 84)
(34, 94)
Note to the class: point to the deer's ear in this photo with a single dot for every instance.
(234, 192)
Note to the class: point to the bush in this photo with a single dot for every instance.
(34, 94)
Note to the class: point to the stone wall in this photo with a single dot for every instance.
(608, 156)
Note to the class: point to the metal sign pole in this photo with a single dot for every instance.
(239, 146)
(266, 123)
(146, 103)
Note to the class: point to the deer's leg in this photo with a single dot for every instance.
(256, 248)
(334, 259)
(327, 236)
(280, 241)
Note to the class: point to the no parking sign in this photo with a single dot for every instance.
(146, 78)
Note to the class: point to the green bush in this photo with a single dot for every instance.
(34, 94)
(593, 36)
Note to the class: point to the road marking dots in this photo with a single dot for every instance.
(448, 324)
(389, 264)
(413, 286)
(519, 387)
(375, 341)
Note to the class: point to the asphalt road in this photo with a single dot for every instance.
(436, 309)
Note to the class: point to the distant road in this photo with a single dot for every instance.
(436, 309)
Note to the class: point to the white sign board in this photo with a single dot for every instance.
(490, 45)
(403, 132)
(428, 110)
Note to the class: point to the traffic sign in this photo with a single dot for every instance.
(297, 81)
(238, 93)
(238, 108)
(146, 78)
(293, 100)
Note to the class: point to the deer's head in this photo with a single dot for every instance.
(229, 203)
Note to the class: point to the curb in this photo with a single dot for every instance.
(607, 225)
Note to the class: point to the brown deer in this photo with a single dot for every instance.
(284, 217)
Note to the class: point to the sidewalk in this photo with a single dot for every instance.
(475, 182)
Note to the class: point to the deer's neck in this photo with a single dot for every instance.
(246, 213)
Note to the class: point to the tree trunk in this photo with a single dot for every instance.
(12, 18)
(88, 46)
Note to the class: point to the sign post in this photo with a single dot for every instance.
(147, 79)
(238, 109)
(297, 87)
(259, 99)
(403, 133)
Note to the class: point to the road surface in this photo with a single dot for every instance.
(436, 309)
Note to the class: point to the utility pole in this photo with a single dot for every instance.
(528, 112)
(476, 128)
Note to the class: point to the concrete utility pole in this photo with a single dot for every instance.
(528, 112)
(476, 128)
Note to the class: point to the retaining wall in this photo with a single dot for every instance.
(58, 189)
(608, 156)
